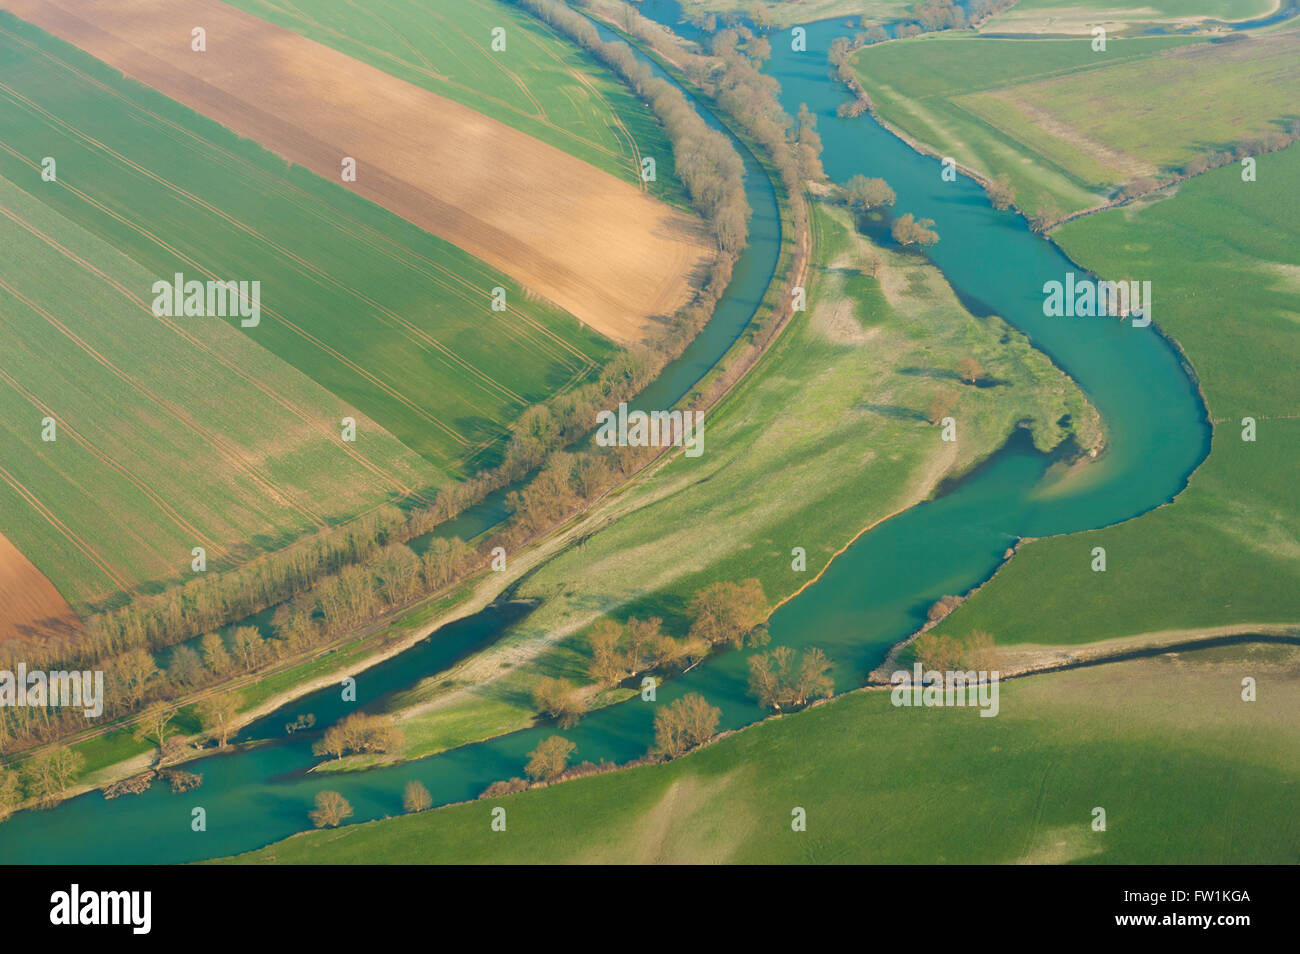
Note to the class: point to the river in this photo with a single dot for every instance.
(873, 595)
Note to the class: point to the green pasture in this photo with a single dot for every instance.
(1069, 125)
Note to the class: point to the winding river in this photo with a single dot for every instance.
(871, 596)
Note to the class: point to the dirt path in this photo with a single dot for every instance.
(1028, 659)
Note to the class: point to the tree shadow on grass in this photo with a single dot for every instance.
(894, 412)
(937, 374)
(942, 374)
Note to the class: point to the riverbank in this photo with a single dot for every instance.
(1018, 661)
(858, 372)
(1135, 737)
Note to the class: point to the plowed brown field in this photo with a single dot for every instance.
(596, 246)
(31, 609)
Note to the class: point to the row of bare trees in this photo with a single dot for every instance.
(357, 734)
(929, 16)
(389, 578)
(782, 679)
(1049, 213)
(977, 650)
(49, 773)
(212, 599)
(43, 777)
(1271, 140)
(731, 75)
(679, 727)
(708, 166)
(722, 613)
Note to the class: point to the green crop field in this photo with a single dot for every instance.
(1225, 257)
(1069, 125)
(197, 435)
(836, 410)
(539, 83)
(1183, 768)
(234, 443)
(394, 321)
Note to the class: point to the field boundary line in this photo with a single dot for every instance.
(138, 482)
(413, 332)
(70, 535)
(308, 203)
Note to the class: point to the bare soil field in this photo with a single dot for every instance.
(31, 609)
(594, 245)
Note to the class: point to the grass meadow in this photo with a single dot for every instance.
(1223, 257)
(1075, 16)
(1069, 125)
(1028, 16)
(1185, 770)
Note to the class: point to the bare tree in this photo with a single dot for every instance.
(606, 665)
(728, 612)
(687, 723)
(863, 194)
(331, 810)
(359, 733)
(782, 679)
(416, 798)
(549, 759)
(131, 675)
(909, 230)
(11, 792)
(50, 772)
(559, 699)
(155, 725)
(970, 369)
(215, 655)
(217, 716)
